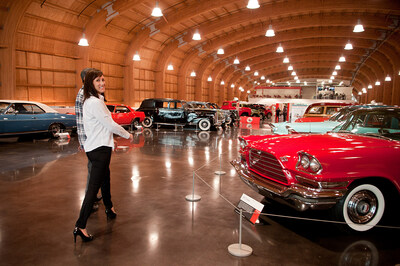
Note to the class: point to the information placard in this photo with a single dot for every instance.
(251, 208)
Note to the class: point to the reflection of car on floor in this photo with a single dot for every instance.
(318, 127)
(125, 115)
(319, 112)
(163, 111)
(26, 117)
(376, 120)
(356, 176)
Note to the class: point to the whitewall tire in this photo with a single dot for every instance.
(204, 124)
(363, 207)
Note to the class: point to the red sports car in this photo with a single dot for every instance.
(125, 115)
(357, 176)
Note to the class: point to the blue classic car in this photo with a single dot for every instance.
(377, 120)
(318, 127)
(26, 117)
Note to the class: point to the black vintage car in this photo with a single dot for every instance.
(164, 111)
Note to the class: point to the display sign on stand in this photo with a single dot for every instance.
(251, 208)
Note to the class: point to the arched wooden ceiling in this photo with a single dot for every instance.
(38, 47)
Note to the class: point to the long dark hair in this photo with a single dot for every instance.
(88, 87)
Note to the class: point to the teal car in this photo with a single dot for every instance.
(318, 127)
(377, 120)
(314, 127)
(26, 117)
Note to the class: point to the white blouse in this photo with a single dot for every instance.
(99, 125)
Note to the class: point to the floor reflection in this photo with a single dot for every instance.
(21, 159)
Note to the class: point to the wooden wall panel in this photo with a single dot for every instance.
(190, 84)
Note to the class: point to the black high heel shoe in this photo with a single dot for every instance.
(78, 232)
(110, 214)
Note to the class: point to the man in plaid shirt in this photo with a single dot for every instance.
(80, 130)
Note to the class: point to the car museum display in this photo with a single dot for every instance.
(355, 176)
(27, 117)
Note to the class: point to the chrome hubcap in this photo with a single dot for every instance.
(362, 207)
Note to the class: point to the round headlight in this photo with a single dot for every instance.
(315, 166)
(243, 143)
(305, 161)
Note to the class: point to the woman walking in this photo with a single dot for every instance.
(99, 129)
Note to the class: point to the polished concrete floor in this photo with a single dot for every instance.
(42, 184)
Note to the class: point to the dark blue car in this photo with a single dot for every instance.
(26, 117)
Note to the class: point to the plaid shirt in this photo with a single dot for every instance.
(79, 118)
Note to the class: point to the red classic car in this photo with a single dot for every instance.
(319, 112)
(125, 115)
(356, 176)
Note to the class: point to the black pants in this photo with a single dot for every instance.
(99, 178)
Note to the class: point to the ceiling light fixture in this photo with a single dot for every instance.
(342, 59)
(298, 81)
(348, 46)
(270, 32)
(364, 90)
(305, 83)
(156, 11)
(296, 78)
(253, 4)
(337, 67)
(334, 73)
(377, 83)
(196, 36)
(170, 67)
(369, 86)
(262, 77)
(279, 49)
(83, 41)
(256, 73)
(220, 51)
(286, 60)
(232, 85)
(247, 68)
(294, 73)
(388, 78)
(290, 67)
(136, 56)
(222, 82)
(332, 77)
(236, 61)
(359, 27)
(209, 78)
(193, 74)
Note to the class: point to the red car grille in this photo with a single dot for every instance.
(266, 165)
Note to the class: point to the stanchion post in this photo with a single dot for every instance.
(193, 197)
(220, 172)
(240, 250)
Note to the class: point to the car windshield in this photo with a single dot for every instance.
(341, 115)
(3, 107)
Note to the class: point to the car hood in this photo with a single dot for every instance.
(331, 142)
